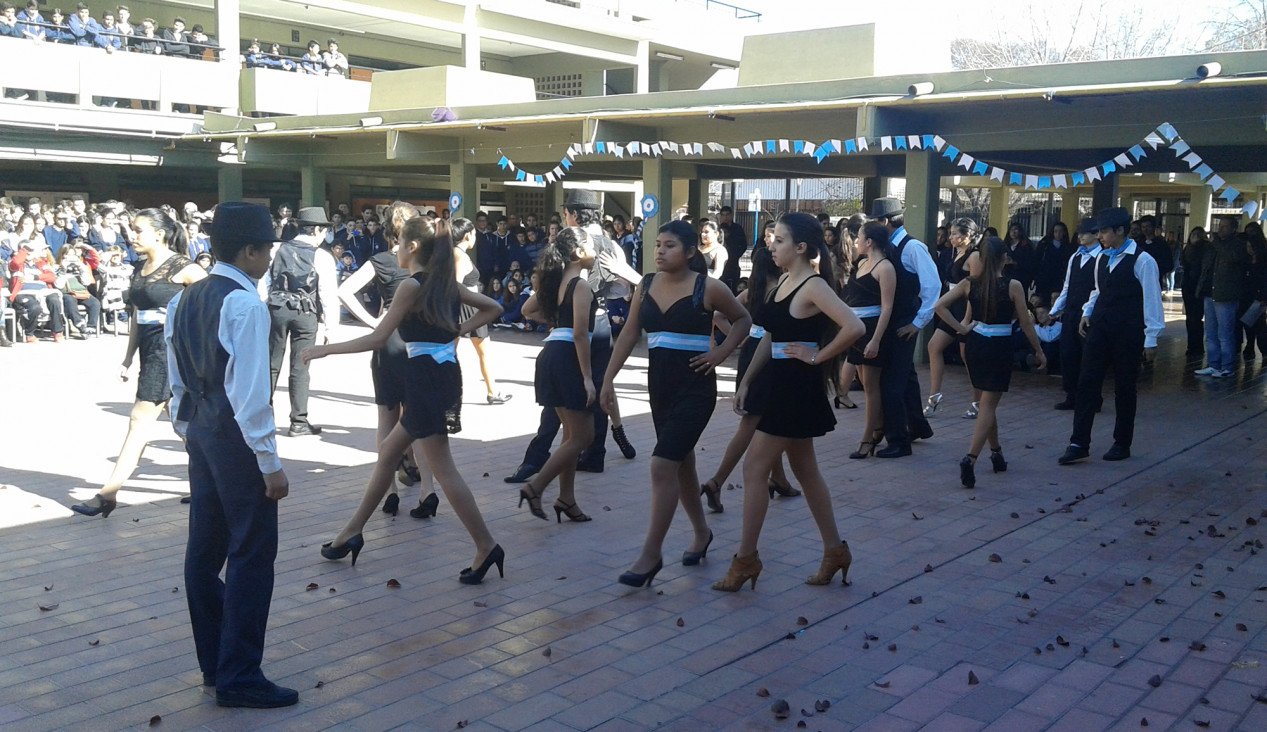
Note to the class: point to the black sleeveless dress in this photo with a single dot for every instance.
(433, 384)
(862, 295)
(558, 375)
(472, 282)
(759, 387)
(958, 272)
(389, 366)
(682, 399)
(798, 406)
(988, 348)
(149, 294)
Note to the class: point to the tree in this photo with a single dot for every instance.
(1243, 29)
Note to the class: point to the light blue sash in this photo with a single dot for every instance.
(776, 349)
(679, 341)
(439, 352)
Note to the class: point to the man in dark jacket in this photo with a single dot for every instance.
(1222, 287)
(1152, 241)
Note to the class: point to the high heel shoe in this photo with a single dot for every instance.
(967, 475)
(534, 502)
(690, 558)
(353, 546)
(562, 509)
(633, 579)
(742, 569)
(712, 493)
(996, 460)
(475, 575)
(836, 558)
(98, 504)
(426, 507)
(844, 402)
(933, 402)
(972, 411)
(392, 504)
(786, 491)
(622, 441)
(865, 450)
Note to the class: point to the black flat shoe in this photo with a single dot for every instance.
(786, 491)
(690, 558)
(1073, 454)
(392, 504)
(475, 575)
(186, 500)
(98, 504)
(588, 466)
(712, 495)
(353, 546)
(1065, 406)
(997, 461)
(967, 474)
(894, 451)
(265, 695)
(522, 474)
(1117, 452)
(426, 508)
(622, 441)
(633, 579)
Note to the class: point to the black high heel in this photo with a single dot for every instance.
(967, 475)
(474, 576)
(392, 504)
(996, 459)
(633, 579)
(786, 491)
(104, 506)
(865, 450)
(353, 546)
(844, 402)
(690, 558)
(562, 509)
(712, 495)
(534, 502)
(426, 507)
(622, 441)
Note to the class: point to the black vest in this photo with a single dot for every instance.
(294, 278)
(1120, 305)
(200, 358)
(906, 294)
(1081, 284)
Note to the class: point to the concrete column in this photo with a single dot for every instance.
(312, 186)
(999, 211)
(229, 35)
(1104, 193)
(471, 38)
(1069, 209)
(340, 192)
(1200, 202)
(697, 197)
(872, 188)
(642, 74)
(923, 196)
(657, 180)
(555, 196)
(230, 182)
(462, 180)
(1128, 203)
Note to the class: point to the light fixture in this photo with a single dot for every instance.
(371, 121)
(722, 117)
(668, 56)
(264, 126)
(722, 66)
(1206, 70)
(920, 88)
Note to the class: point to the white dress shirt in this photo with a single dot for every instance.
(1149, 280)
(243, 333)
(1081, 258)
(917, 259)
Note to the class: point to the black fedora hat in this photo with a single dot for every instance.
(581, 198)
(883, 208)
(248, 223)
(1089, 225)
(312, 216)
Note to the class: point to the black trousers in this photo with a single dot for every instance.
(902, 400)
(28, 310)
(1194, 319)
(230, 521)
(300, 330)
(538, 451)
(1119, 349)
(1070, 357)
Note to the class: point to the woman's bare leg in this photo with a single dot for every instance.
(143, 415)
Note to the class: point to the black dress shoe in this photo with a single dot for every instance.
(522, 473)
(922, 433)
(265, 695)
(1065, 406)
(186, 500)
(894, 451)
(303, 430)
(1117, 452)
(589, 466)
(209, 680)
(1073, 454)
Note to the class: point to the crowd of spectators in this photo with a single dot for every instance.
(114, 32)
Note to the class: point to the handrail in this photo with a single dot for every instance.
(115, 31)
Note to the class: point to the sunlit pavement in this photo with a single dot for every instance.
(1085, 597)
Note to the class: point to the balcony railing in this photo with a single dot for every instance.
(653, 8)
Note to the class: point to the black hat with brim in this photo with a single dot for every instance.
(1089, 225)
(1111, 218)
(581, 198)
(245, 223)
(883, 208)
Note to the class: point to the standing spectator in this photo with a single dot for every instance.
(175, 40)
(1024, 260)
(736, 242)
(83, 27)
(312, 63)
(32, 22)
(336, 63)
(1153, 242)
(198, 241)
(1222, 285)
(1192, 257)
(1255, 286)
(60, 32)
(1052, 260)
(9, 26)
(110, 37)
(369, 242)
(1067, 309)
(146, 41)
(284, 224)
(492, 256)
(254, 59)
(277, 60)
(206, 43)
(123, 20)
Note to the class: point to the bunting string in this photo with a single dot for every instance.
(1164, 135)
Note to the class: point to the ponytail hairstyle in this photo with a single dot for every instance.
(437, 302)
(174, 235)
(968, 229)
(686, 234)
(878, 233)
(805, 229)
(992, 252)
(553, 260)
(763, 270)
(394, 220)
(459, 228)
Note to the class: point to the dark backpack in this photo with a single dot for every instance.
(294, 278)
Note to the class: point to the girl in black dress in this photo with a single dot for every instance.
(844, 262)
(425, 313)
(164, 271)
(675, 306)
(390, 364)
(995, 302)
(869, 293)
(964, 236)
(469, 276)
(800, 315)
(564, 382)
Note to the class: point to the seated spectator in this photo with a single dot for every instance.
(9, 26)
(147, 41)
(532, 247)
(205, 260)
(512, 301)
(26, 232)
(313, 64)
(33, 294)
(345, 265)
(175, 40)
(198, 242)
(518, 251)
(31, 22)
(75, 280)
(117, 276)
(83, 27)
(278, 61)
(336, 63)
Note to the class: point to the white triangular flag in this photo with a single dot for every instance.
(558, 171)
(783, 146)
(836, 144)
(810, 148)
(996, 173)
(549, 177)
(511, 163)
(1031, 181)
(1092, 173)
(589, 148)
(1192, 159)
(699, 148)
(886, 143)
(913, 142)
(716, 147)
(938, 143)
(1216, 182)
(862, 143)
(672, 146)
(634, 147)
(735, 152)
(1059, 181)
(1154, 140)
(618, 149)
(966, 161)
(1122, 160)
(655, 150)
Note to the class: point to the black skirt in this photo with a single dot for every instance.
(989, 361)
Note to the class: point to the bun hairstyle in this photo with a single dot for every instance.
(992, 251)
(174, 234)
(394, 220)
(807, 230)
(686, 234)
(969, 230)
(878, 233)
(550, 265)
(437, 303)
(763, 270)
(459, 228)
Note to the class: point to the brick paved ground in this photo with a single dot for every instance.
(1062, 592)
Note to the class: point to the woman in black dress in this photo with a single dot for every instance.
(164, 271)
(995, 302)
(675, 306)
(869, 293)
(425, 313)
(964, 236)
(390, 364)
(564, 382)
(801, 315)
(463, 231)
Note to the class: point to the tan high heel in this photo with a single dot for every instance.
(836, 558)
(741, 570)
